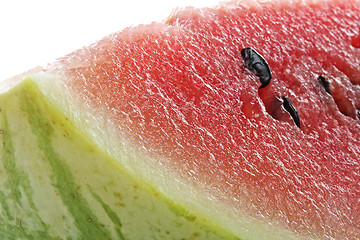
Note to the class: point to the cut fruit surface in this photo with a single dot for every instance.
(173, 106)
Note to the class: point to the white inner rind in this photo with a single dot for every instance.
(196, 198)
(55, 184)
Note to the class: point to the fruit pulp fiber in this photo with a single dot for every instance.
(179, 92)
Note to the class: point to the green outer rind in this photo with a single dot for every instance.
(56, 184)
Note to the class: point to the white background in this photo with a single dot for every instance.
(35, 32)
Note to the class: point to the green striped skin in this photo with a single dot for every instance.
(56, 184)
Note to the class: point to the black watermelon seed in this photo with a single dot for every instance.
(291, 109)
(324, 81)
(257, 64)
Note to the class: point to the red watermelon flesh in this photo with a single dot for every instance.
(180, 93)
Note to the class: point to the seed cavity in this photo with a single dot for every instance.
(355, 41)
(340, 96)
(291, 109)
(324, 81)
(256, 64)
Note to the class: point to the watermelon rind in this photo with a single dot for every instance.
(147, 169)
(57, 184)
(59, 180)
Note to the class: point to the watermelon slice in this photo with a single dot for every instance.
(162, 132)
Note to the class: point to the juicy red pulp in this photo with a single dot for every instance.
(180, 91)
